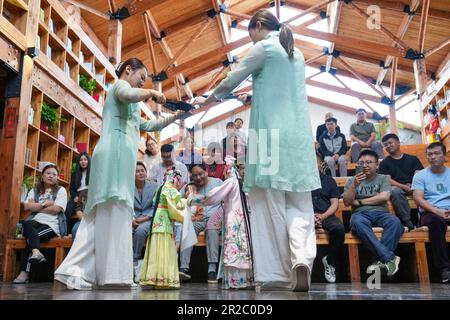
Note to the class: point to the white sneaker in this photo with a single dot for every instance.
(79, 284)
(330, 271)
(137, 270)
(301, 276)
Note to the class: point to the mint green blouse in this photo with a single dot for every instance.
(279, 115)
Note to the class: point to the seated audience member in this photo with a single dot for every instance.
(231, 129)
(47, 202)
(167, 163)
(325, 202)
(78, 191)
(143, 212)
(401, 168)
(235, 150)
(368, 194)
(333, 147)
(215, 165)
(431, 187)
(152, 157)
(203, 184)
(322, 128)
(363, 135)
(238, 123)
(188, 155)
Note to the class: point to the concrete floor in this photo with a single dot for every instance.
(204, 291)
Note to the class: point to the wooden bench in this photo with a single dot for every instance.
(9, 263)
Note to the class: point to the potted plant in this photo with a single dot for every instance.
(27, 185)
(87, 85)
(49, 117)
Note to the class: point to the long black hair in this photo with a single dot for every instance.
(79, 171)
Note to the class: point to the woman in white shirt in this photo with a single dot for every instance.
(46, 201)
(79, 189)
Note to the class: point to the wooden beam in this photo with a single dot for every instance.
(346, 91)
(309, 10)
(215, 79)
(235, 14)
(334, 14)
(357, 75)
(420, 74)
(383, 29)
(392, 111)
(443, 64)
(312, 21)
(277, 8)
(167, 51)
(213, 54)
(400, 34)
(194, 36)
(112, 5)
(140, 6)
(437, 47)
(91, 34)
(400, 5)
(312, 59)
(88, 9)
(115, 41)
(341, 40)
(189, 22)
(148, 38)
(423, 24)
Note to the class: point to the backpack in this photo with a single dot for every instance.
(62, 221)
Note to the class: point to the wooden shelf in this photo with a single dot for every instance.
(30, 167)
(18, 3)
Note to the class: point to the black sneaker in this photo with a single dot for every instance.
(212, 277)
(184, 275)
(445, 276)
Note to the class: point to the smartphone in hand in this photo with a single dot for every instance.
(359, 169)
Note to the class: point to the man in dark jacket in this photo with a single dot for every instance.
(322, 128)
(333, 147)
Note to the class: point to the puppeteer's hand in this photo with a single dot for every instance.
(244, 98)
(158, 97)
(199, 101)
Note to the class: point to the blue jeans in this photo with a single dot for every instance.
(74, 229)
(361, 224)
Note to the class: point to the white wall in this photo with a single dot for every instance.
(317, 112)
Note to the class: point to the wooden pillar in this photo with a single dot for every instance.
(115, 41)
(420, 75)
(157, 85)
(392, 111)
(14, 136)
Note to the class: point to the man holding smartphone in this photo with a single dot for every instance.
(368, 194)
(431, 191)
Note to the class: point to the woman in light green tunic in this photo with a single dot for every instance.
(102, 252)
(279, 180)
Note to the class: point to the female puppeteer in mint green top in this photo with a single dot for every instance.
(279, 102)
(114, 159)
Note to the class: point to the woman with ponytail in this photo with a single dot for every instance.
(102, 252)
(279, 180)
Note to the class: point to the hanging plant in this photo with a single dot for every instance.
(87, 85)
(50, 115)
